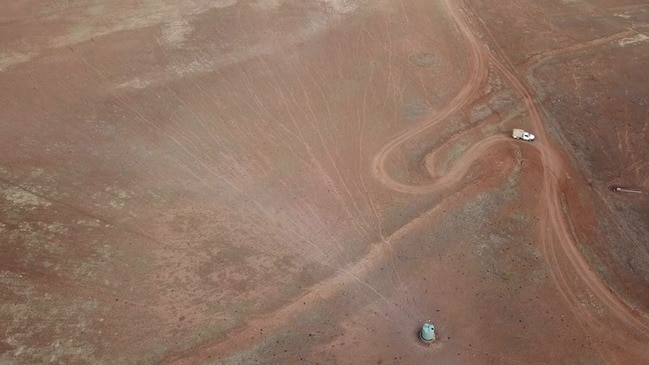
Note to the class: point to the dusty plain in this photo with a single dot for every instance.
(284, 181)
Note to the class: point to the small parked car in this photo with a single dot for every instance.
(521, 134)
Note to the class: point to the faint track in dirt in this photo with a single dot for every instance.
(477, 76)
(536, 60)
(243, 335)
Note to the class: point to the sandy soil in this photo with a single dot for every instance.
(278, 181)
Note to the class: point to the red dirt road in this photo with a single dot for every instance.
(284, 182)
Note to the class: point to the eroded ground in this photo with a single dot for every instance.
(279, 181)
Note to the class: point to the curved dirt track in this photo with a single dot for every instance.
(622, 324)
(555, 235)
(288, 181)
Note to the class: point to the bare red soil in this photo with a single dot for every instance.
(276, 182)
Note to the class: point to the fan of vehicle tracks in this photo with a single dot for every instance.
(620, 325)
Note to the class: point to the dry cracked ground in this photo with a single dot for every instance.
(284, 181)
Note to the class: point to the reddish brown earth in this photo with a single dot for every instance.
(275, 182)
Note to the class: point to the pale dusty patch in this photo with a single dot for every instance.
(342, 6)
(97, 9)
(222, 3)
(37, 172)
(120, 198)
(8, 60)
(76, 34)
(315, 24)
(23, 198)
(152, 12)
(312, 26)
(93, 223)
(56, 227)
(622, 15)
(116, 204)
(267, 4)
(633, 40)
(136, 83)
(175, 33)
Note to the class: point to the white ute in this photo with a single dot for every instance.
(521, 134)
